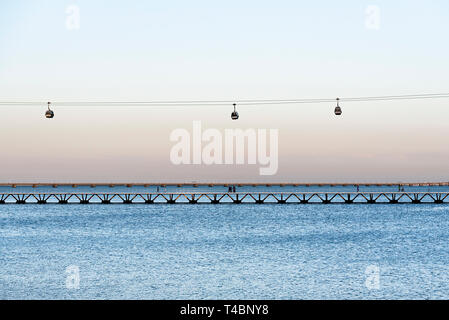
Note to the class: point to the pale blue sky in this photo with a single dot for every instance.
(170, 50)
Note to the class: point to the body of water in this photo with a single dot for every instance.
(225, 251)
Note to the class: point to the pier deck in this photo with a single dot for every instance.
(223, 197)
(212, 184)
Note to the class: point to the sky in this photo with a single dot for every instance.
(223, 50)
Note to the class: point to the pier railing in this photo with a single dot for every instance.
(223, 197)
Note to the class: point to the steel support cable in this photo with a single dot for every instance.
(248, 102)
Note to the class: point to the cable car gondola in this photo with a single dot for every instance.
(49, 113)
(338, 110)
(234, 114)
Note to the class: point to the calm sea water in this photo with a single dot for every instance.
(224, 251)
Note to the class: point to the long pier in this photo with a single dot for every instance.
(225, 198)
(226, 184)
